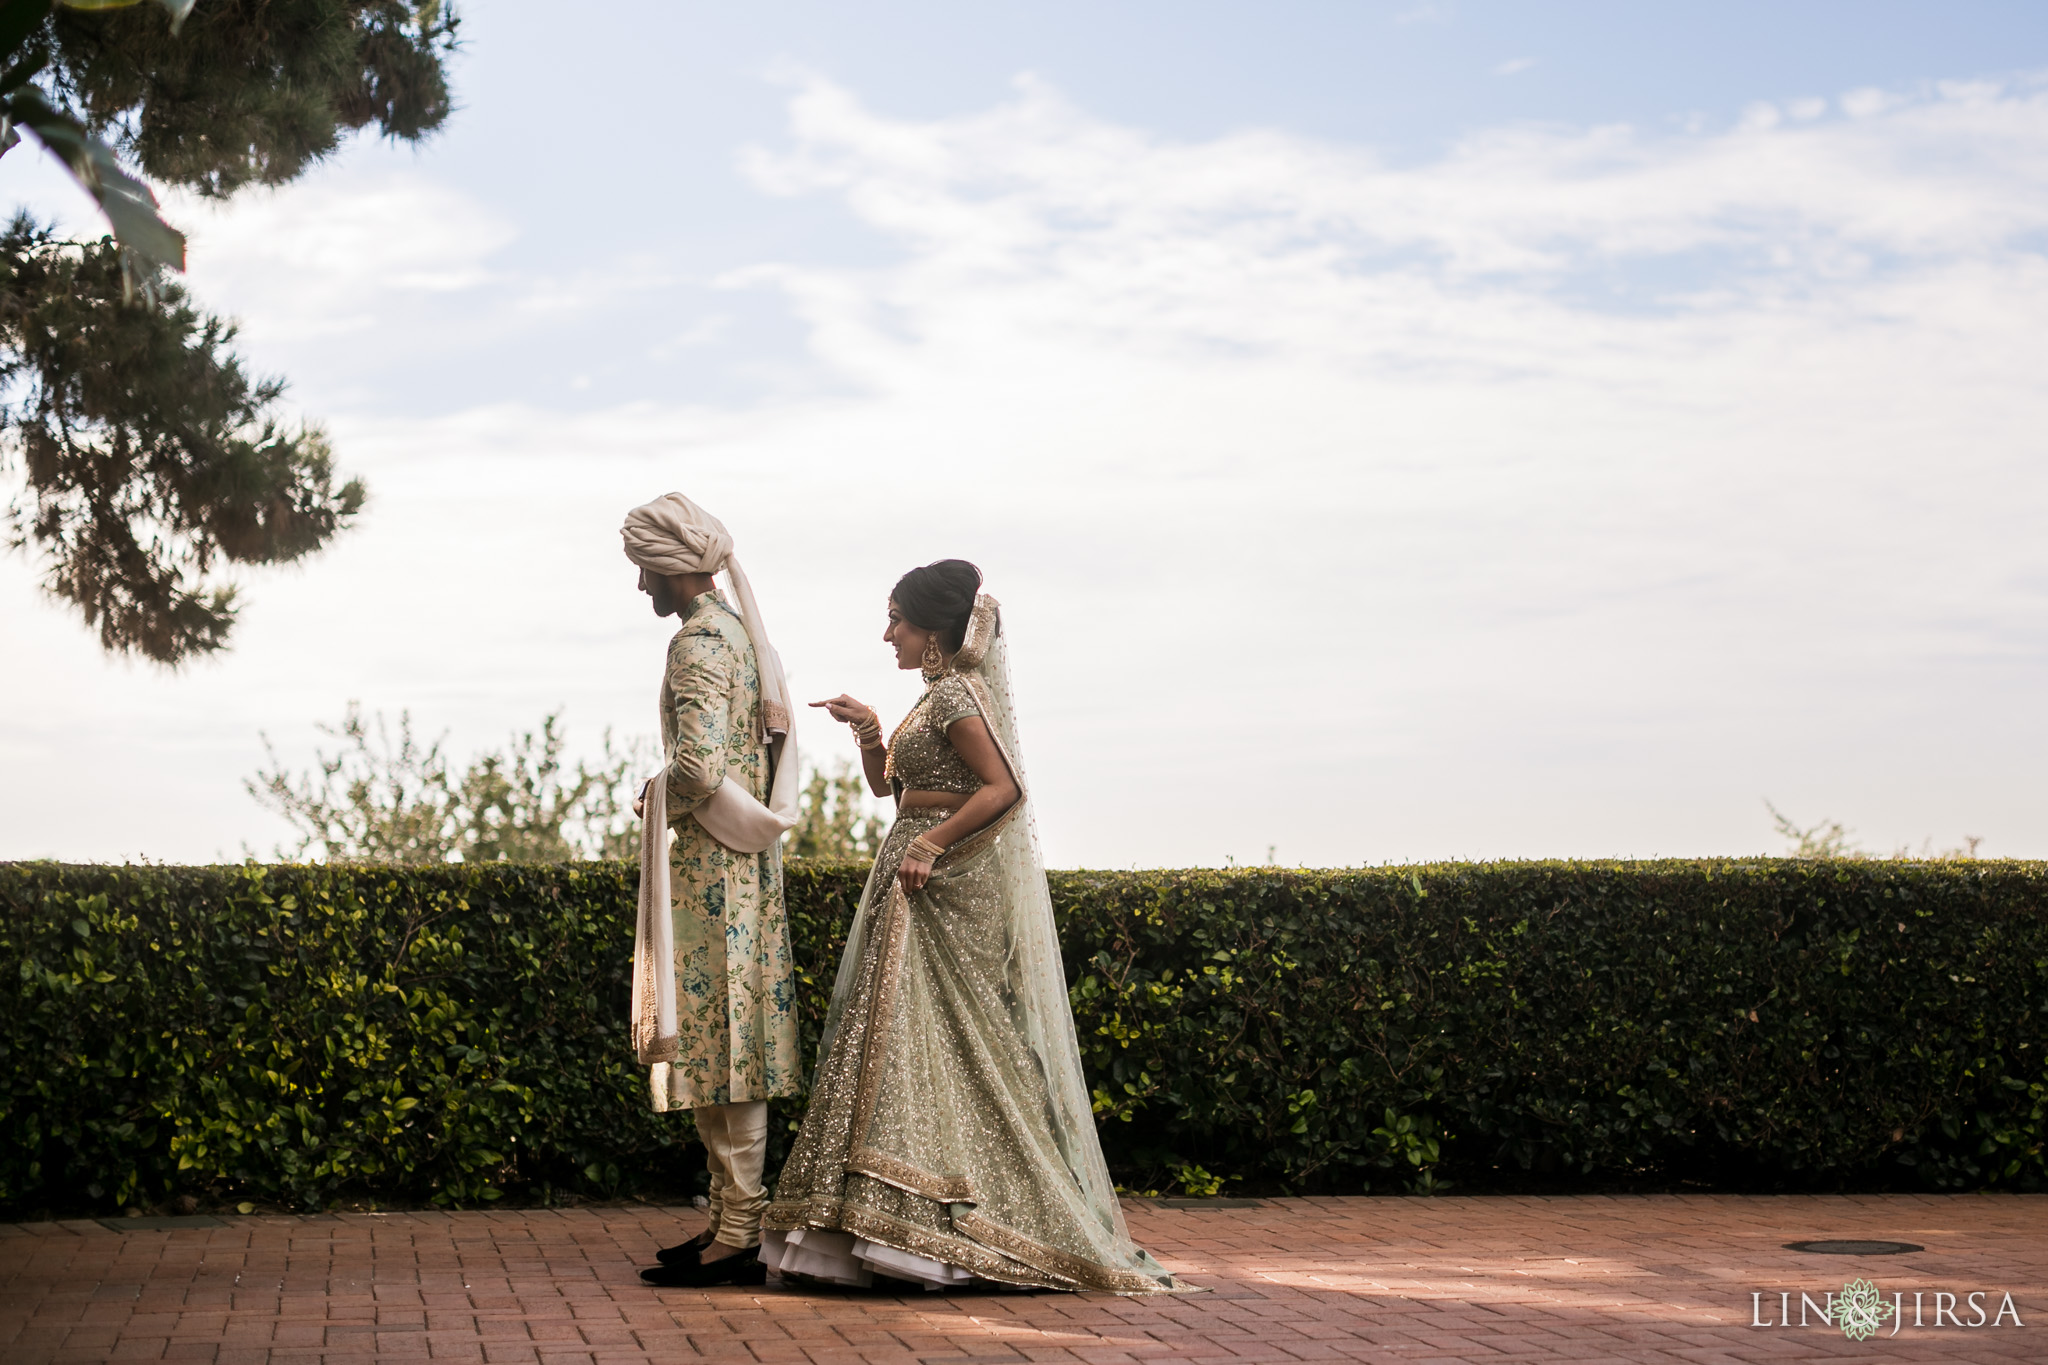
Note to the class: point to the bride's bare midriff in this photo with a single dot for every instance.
(917, 800)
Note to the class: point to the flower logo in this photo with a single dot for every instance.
(1860, 1311)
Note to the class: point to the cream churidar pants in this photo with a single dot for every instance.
(736, 1149)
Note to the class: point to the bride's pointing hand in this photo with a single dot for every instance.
(845, 709)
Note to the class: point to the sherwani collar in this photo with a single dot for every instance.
(703, 599)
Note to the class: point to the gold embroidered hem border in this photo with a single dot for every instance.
(990, 1250)
(891, 1170)
(836, 1215)
(1052, 1261)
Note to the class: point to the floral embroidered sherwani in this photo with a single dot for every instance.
(735, 981)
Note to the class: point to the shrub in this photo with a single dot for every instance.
(447, 1034)
(1740, 1024)
(298, 1033)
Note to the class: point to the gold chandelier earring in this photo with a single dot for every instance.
(934, 659)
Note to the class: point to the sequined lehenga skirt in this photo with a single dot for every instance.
(928, 1152)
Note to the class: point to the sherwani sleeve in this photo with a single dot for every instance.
(701, 671)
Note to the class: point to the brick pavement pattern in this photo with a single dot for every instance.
(1498, 1279)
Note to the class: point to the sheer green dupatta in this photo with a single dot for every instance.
(961, 1082)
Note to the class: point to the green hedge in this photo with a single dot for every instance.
(1754, 1024)
(308, 1034)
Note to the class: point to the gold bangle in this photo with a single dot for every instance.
(867, 731)
(923, 850)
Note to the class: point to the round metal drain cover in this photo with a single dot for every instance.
(1854, 1248)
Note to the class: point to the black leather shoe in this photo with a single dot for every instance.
(740, 1268)
(686, 1253)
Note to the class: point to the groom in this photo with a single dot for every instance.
(714, 990)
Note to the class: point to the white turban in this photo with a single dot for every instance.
(673, 535)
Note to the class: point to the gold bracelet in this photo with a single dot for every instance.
(867, 732)
(923, 850)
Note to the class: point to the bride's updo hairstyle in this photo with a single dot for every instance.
(939, 598)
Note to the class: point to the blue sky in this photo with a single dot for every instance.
(616, 146)
(1398, 431)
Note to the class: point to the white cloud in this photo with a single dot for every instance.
(331, 255)
(1649, 467)
(1867, 102)
(1569, 494)
(1039, 179)
(1514, 66)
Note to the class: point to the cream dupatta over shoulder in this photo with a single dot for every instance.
(950, 1134)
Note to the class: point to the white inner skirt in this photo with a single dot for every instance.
(842, 1258)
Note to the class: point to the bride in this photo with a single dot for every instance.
(949, 1136)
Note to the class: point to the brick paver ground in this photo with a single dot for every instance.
(1584, 1280)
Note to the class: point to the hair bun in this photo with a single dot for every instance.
(940, 598)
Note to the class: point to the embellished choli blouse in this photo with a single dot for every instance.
(920, 756)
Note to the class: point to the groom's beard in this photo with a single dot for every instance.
(664, 598)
